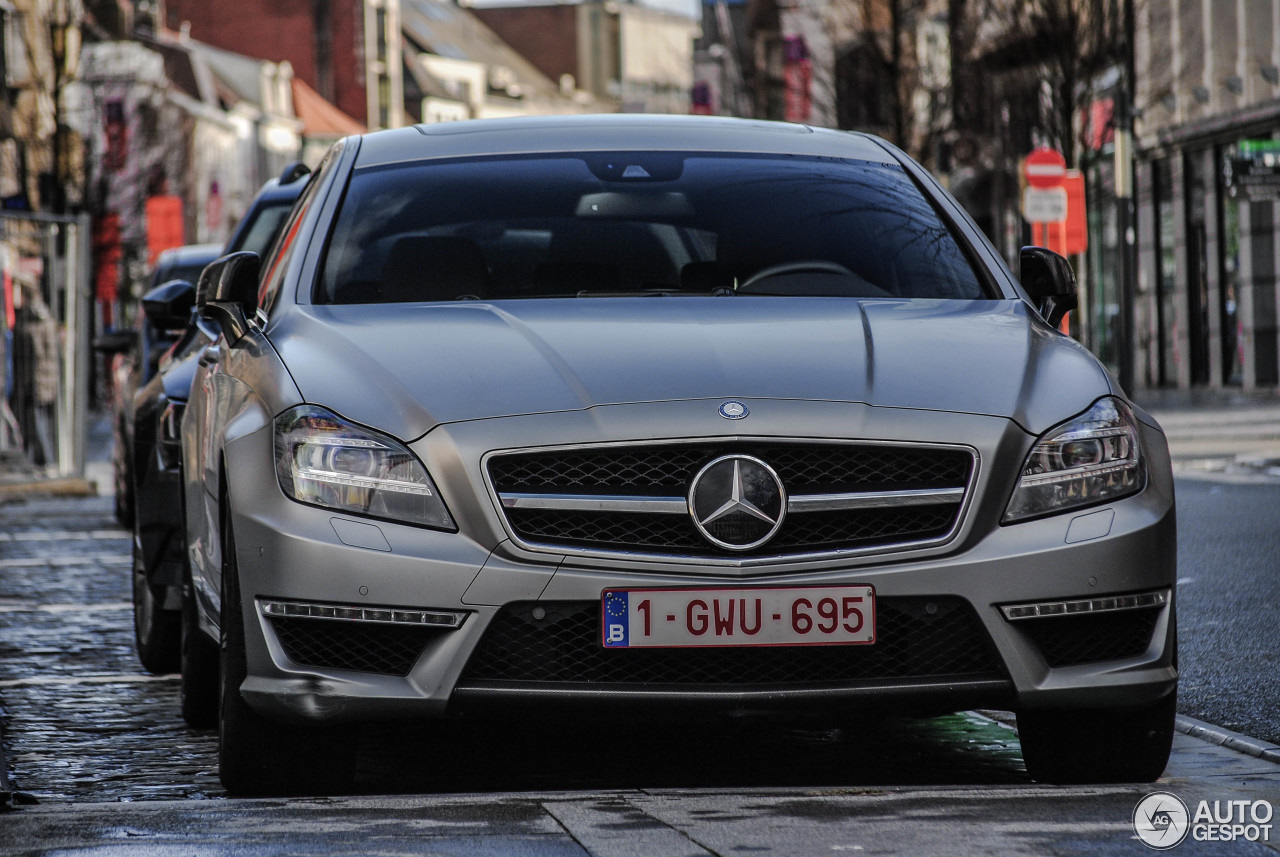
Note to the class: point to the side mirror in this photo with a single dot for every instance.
(228, 292)
(294, 171)
(1049, 281)
(117, 342)
(168, 305)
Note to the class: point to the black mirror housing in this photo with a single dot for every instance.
(117, 342)
(294, 171)
(1049, 281)
(228, 292)
(168, 306)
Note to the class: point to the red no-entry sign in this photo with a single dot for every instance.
(1045, 168)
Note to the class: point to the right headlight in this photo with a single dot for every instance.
(323, 460)
(1089, 459)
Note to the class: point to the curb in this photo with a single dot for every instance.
(1221, 737)
(70, 487)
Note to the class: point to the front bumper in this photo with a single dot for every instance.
(294, 553)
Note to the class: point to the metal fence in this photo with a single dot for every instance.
(45, 318)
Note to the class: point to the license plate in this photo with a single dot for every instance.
(797, 616)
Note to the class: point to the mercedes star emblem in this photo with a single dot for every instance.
(733, 410)
(737, 502)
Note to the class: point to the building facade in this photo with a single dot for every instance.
(457, 67)
(347, 50)
(637, 57)
(1207, 185)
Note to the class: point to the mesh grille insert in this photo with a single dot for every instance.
(916, 638)
(356, 646)
(804, 468)
(1092, 637)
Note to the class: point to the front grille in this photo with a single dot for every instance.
(915, 638)
(1088, 638)
(801, 533)
(357, 646)
(804, 468)
(667, 471)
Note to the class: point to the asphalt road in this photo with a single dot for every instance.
(1229, 603)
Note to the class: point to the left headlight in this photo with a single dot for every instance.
(323, 460)
(1090, 459)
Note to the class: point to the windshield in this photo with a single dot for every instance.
(595, 225)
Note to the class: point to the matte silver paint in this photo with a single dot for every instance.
(462, 381)
(408, 368)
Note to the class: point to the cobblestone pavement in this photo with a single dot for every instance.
(81, 718)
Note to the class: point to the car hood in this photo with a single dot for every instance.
(405, 368)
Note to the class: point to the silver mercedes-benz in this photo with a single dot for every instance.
(630, 412)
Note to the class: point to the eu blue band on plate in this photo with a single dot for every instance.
(615, 619)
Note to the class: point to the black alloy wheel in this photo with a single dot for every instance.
(157, 632)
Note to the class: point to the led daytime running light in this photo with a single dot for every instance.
(1113, 604)
(334, 478)
(349, 613)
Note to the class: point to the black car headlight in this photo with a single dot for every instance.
(323, 460)
(1092, 458)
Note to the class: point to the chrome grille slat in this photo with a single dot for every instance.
(594, 503)
(632, 499)
(871, 500)
(680, 506)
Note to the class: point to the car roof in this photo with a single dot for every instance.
(188, 254)
(273, 191)
(613, 132)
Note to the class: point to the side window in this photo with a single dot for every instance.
(277, 260)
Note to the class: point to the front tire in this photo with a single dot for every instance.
(257, 756)
(122, 475)
(156, 632)
(199, 667)
(1098, 745)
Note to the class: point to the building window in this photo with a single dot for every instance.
(1166, 277)
(384, 101)
(380, 17)
(1229, 261)
(324, 49)
(1198, 187)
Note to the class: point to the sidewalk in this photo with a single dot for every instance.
(20, 478)
(1218, 431)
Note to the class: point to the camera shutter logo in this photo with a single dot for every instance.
(1161, 820)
